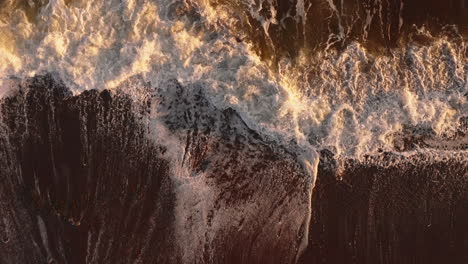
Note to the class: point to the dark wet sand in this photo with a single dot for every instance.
(413, 212)
(83, 166)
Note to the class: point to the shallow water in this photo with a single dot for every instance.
(203, 91)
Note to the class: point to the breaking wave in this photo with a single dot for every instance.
(358, 79)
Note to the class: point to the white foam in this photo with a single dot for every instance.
(351, 102)
(343, 108)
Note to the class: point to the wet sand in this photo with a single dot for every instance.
(81, 183)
